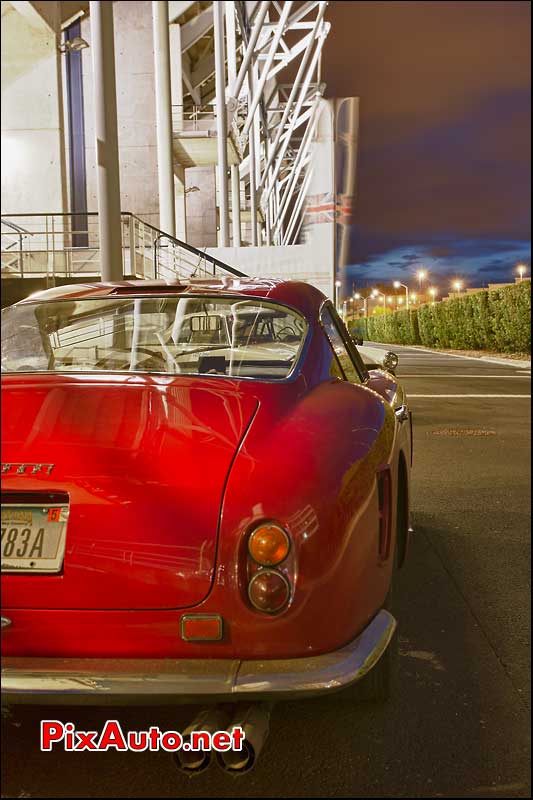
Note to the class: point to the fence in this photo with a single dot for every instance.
(67, 246)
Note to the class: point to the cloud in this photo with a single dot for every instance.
(476, 261)
(444, 140)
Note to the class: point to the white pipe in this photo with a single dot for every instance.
(250, 47)
(222, 122)
(163, 108)
(106, 135)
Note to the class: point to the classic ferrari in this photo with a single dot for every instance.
(205, 496)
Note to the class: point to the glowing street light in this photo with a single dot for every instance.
(421, 275)
(457, 286)
(397, 285)
(433, 292)
(521, 269)
(413, 298)
(357, 296)
(376, 293)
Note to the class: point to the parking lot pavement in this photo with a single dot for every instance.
(458, 725)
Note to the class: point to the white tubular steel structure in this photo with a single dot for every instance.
(252, 70)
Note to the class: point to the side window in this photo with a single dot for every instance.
(339, 346)
(351, 346)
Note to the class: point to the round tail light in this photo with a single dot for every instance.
(268, 545)
(269, 591)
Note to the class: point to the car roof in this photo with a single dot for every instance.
(302, 296)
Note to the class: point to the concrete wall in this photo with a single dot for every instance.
(33, 152)
(134, 61)
(201, 207)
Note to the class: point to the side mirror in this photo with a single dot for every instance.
(390, 361)
(359, 341)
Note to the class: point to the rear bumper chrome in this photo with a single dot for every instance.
(115, 681)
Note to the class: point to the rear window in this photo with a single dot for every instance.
(244, 338)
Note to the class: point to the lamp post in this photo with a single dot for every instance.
(397, 285)
(357, 296)
(338, 285)
(521, 269)
(376, 293)
(433, 293)
(421, 275)
(457, 286)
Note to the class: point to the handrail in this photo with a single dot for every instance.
(157, 235)
(157, 231)
(12, 225)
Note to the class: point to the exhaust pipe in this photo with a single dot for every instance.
(192, 762)
(255, 722)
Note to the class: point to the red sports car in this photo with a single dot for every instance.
(205, 495)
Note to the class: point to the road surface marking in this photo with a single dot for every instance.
(412, 350)
(494, 396)
(445, 375)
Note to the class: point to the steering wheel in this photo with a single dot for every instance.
(286, 332)
(152, 353)
(103, 362)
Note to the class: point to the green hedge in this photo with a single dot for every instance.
(486, 320)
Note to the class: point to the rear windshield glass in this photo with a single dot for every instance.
(245, 338)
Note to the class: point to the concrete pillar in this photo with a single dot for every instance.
(105, 127)
(222, 123)
(163, 106)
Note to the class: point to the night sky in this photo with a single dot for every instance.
(444, 147)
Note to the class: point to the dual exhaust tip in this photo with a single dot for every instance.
(253, 719)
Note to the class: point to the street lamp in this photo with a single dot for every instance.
(357, 296)
(421, 275)
(413, 298)
(521, 269)
(397, 285)
(457, 286)
(376, 293)
(433, 292)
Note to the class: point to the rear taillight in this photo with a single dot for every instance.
(268, 545)
(269, 591)
(270, 568)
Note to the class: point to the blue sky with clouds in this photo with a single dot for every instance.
(444, 168)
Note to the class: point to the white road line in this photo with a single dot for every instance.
(511, 362)
(510, 396)
(444, 375)
(412, 350)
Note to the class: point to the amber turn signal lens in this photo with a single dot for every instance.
(268, 545)
(269, 591)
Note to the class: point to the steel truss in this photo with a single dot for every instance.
(258, 65)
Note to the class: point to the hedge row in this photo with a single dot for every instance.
(486, 320)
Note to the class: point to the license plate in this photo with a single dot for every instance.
(33, 537)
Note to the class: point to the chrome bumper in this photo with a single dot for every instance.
(100, 681)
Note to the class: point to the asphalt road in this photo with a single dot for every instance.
(459, 723)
